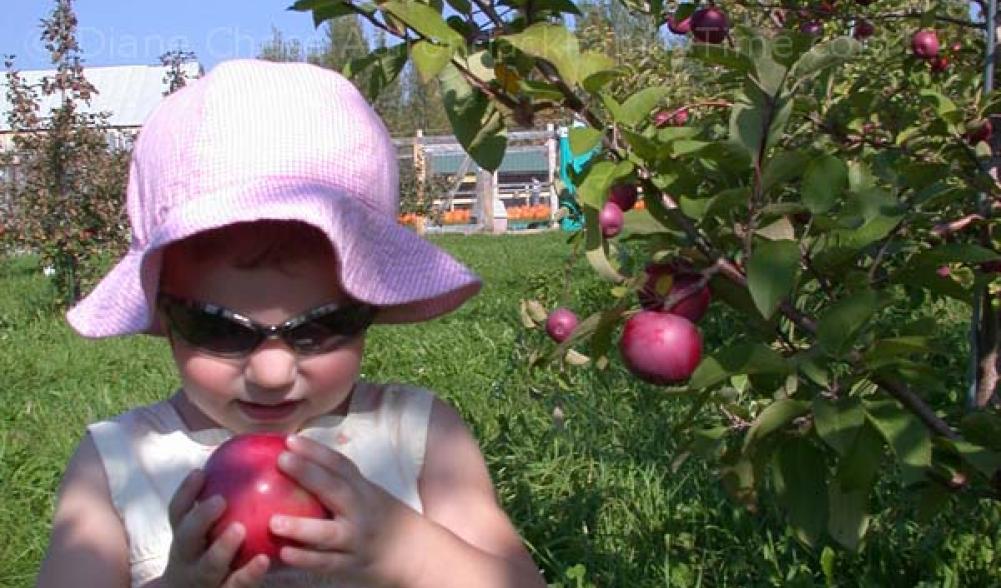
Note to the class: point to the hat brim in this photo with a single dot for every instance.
(379, 261)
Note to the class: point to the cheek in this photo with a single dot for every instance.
(204, 372)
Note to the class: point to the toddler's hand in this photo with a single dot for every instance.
(193, 562)
(368, 540)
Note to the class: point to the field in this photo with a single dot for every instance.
(582, 459)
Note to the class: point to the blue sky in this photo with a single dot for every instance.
(137, 32)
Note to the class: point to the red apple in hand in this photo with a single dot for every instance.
(655, 292)
(710, 25)
(244, 471)
(660, 348)
(924, 44)
(623, 196)
(611, 219)
(560, 324)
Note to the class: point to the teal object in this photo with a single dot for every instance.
(568, 196)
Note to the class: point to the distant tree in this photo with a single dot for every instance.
(66, 204)
(345, 40)
(175, 77)
(280, 49)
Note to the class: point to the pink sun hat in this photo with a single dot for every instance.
(255, 140)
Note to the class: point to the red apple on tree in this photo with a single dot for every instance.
(924, 44)
(660, 348)
(670, 118)
(611, 219)
(244, 471)
(980, 130)
(662, 280)
(863, 30)
(623, 195)
(940, 64)
(813, 28)
(679, 27)
(710, 25)
(560, 324)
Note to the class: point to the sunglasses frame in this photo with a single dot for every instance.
(262, 332)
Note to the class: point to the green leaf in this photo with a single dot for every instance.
(800, 474)
(905, 434)
(747, 127)
(943, 105)
(860, 465)
(771, 273)
(739, 358)
(825, 178)
(775, 416)
(888, 350)
(598, 178)
(985, 461)
(555, 44)
(596, 248)
(824, 55)
(849, 519)
(783, 167)
(460, 6)
(476, 122)
(557, 6)
(851, 488)
(425, 20)
(430, 59)
(584, 139)
(838, 423)
(720, 55)
(843, 320)
(827, 559)
(983, 428)
(953, 253)
(637, 108)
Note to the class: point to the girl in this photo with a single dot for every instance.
(262, 200)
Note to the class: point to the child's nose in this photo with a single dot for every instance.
(272, 365)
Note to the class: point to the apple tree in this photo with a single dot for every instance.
(825, 171)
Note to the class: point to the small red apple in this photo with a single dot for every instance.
(863, 30)
(924, 44)
(560, 324)
(623, 195)
(710, 25)
(244, 471)
(681, 27)
(670, 118)
(655, 291)
(660, 348)
(611, 219)
(980, 130)
(812, 28)
(940, 64)
(956, 47)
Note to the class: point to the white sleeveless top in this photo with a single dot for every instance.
(148, 451)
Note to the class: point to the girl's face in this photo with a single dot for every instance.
(272, 388)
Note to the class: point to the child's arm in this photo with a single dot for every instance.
(88, 546)
(475, 543)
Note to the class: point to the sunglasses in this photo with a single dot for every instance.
(225, 333)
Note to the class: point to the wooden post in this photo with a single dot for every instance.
(420, 165)
(484, 197)
(552, 151)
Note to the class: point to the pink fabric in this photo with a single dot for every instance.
(259, 140)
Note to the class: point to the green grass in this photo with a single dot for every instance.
(595, 497)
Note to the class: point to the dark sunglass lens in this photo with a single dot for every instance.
(209, 331)
(329, 331)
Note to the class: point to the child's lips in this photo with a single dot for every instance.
(268, 412)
